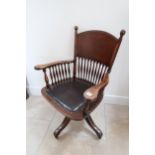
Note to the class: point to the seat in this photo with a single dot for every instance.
(75, 87)
(69, 94)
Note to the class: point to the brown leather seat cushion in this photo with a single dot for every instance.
(69, 94)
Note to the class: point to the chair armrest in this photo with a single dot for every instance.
(44, 66)
(91, 93)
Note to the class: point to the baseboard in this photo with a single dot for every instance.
(114, 99)
(110, 99)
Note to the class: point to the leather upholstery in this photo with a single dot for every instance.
(69, 94)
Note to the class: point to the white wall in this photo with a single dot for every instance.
(50, 37)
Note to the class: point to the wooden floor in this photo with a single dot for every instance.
(77, 138)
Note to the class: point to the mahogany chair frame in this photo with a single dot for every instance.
(94, 55)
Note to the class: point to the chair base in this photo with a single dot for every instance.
(61, 127)
(91, 123)
(88, 119)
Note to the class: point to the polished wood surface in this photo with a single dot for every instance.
(44, 66)
(91, 123)
(92, 93)
(61, 127)
(94, 54)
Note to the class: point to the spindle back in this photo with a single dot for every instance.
(99, 47)
(94, 54)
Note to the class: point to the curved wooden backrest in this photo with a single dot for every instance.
(96, 45)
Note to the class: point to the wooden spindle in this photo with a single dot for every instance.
(62, 70)
(65, 69)
(94, 75)
(100, 74)
(83, 65)
(88, 69)
(105, 70)
(55, 75)
(59, 73)
(86, 63)
(77, 62)
(79, 68)
(89, 72)
(85, 69)
(46, 78)
(93, 71)
(97, 72)
(52, 82)
(69, 72)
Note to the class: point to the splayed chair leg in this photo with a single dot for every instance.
(61, 127)
(93, 126)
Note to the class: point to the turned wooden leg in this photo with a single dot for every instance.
(93, 126)
(61, 127)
